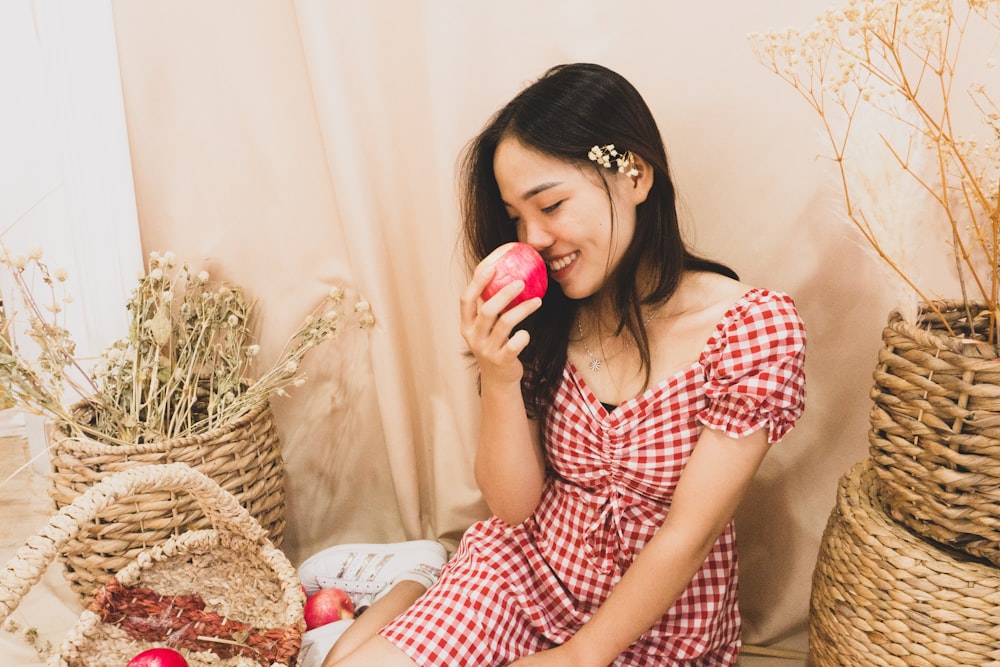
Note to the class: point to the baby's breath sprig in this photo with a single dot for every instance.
(900, 60)
(36, 371)
(185, 366)
(624, 163)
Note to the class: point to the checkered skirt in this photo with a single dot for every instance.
(510, 591)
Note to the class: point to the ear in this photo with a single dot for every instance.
(642, 182)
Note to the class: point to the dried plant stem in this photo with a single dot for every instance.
(900, 59)
(184, 367)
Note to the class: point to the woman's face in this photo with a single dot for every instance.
(563, 212)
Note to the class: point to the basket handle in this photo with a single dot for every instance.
(26, 568)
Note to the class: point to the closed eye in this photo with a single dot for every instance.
(514, 219)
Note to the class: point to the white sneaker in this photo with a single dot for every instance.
(316, 643)
(366, 572)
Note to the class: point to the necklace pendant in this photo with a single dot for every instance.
(595, 365)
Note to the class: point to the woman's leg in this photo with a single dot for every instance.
(381, 579)
(374, 618)
(377, 650)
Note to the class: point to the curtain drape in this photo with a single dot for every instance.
(289, 146)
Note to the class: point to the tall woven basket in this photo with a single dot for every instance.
(243, 457)
(882, 595)
(222, 597)
(935, 428)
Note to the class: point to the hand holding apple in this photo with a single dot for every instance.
(326, 606)
(158, 657)
(518, 262)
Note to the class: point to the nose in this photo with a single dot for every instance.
(535, 234)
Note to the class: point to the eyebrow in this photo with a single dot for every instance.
(541, 187)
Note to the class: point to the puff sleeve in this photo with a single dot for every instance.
(755, 375)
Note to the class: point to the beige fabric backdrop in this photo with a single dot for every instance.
(292, 145)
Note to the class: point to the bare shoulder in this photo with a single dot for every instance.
(719, 290)
(680, 330)
(683, 325)
(703, 296)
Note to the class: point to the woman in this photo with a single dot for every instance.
(623, 416)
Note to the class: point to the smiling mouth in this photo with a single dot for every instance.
(559, 264)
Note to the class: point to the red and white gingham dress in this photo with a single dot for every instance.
(510, 591)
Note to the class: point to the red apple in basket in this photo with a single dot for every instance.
(519, 262)
(326, 606)
(158, 657)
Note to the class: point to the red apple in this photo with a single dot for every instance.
(326, 606)
(158, 657)
(519, 262)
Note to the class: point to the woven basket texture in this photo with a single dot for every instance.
(883, 595)
(935, 428)
(243, 457)
(222, 597)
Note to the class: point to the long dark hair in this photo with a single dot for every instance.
(563, 114)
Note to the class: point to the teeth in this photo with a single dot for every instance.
(560, 264)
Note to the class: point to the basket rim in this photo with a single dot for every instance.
(860, 522)
(881, 594)
(221, 507)
(227, 537)
(286, 614)
(91, 445)
(936, 337)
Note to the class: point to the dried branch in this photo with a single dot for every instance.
(184, 367)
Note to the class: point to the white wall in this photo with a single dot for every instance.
(65, 174)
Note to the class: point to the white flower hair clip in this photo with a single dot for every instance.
(603, 155)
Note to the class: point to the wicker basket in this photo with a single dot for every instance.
(243, 457)
(234, 598)
(882, 595)
(935, 429)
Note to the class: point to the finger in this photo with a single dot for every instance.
(481, 277)
(499, 250)
(525, 308)
(502, 307)
(470, 297)
(503, 326)
(487, 267)
(518, 341)
(506, 352)
(502, 300)
(481, 320)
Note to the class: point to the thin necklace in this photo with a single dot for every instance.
(596, 364)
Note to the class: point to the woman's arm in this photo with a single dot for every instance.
(710, 489)
(510, 464)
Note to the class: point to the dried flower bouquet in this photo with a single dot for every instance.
(186, 365)
(894, 65)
